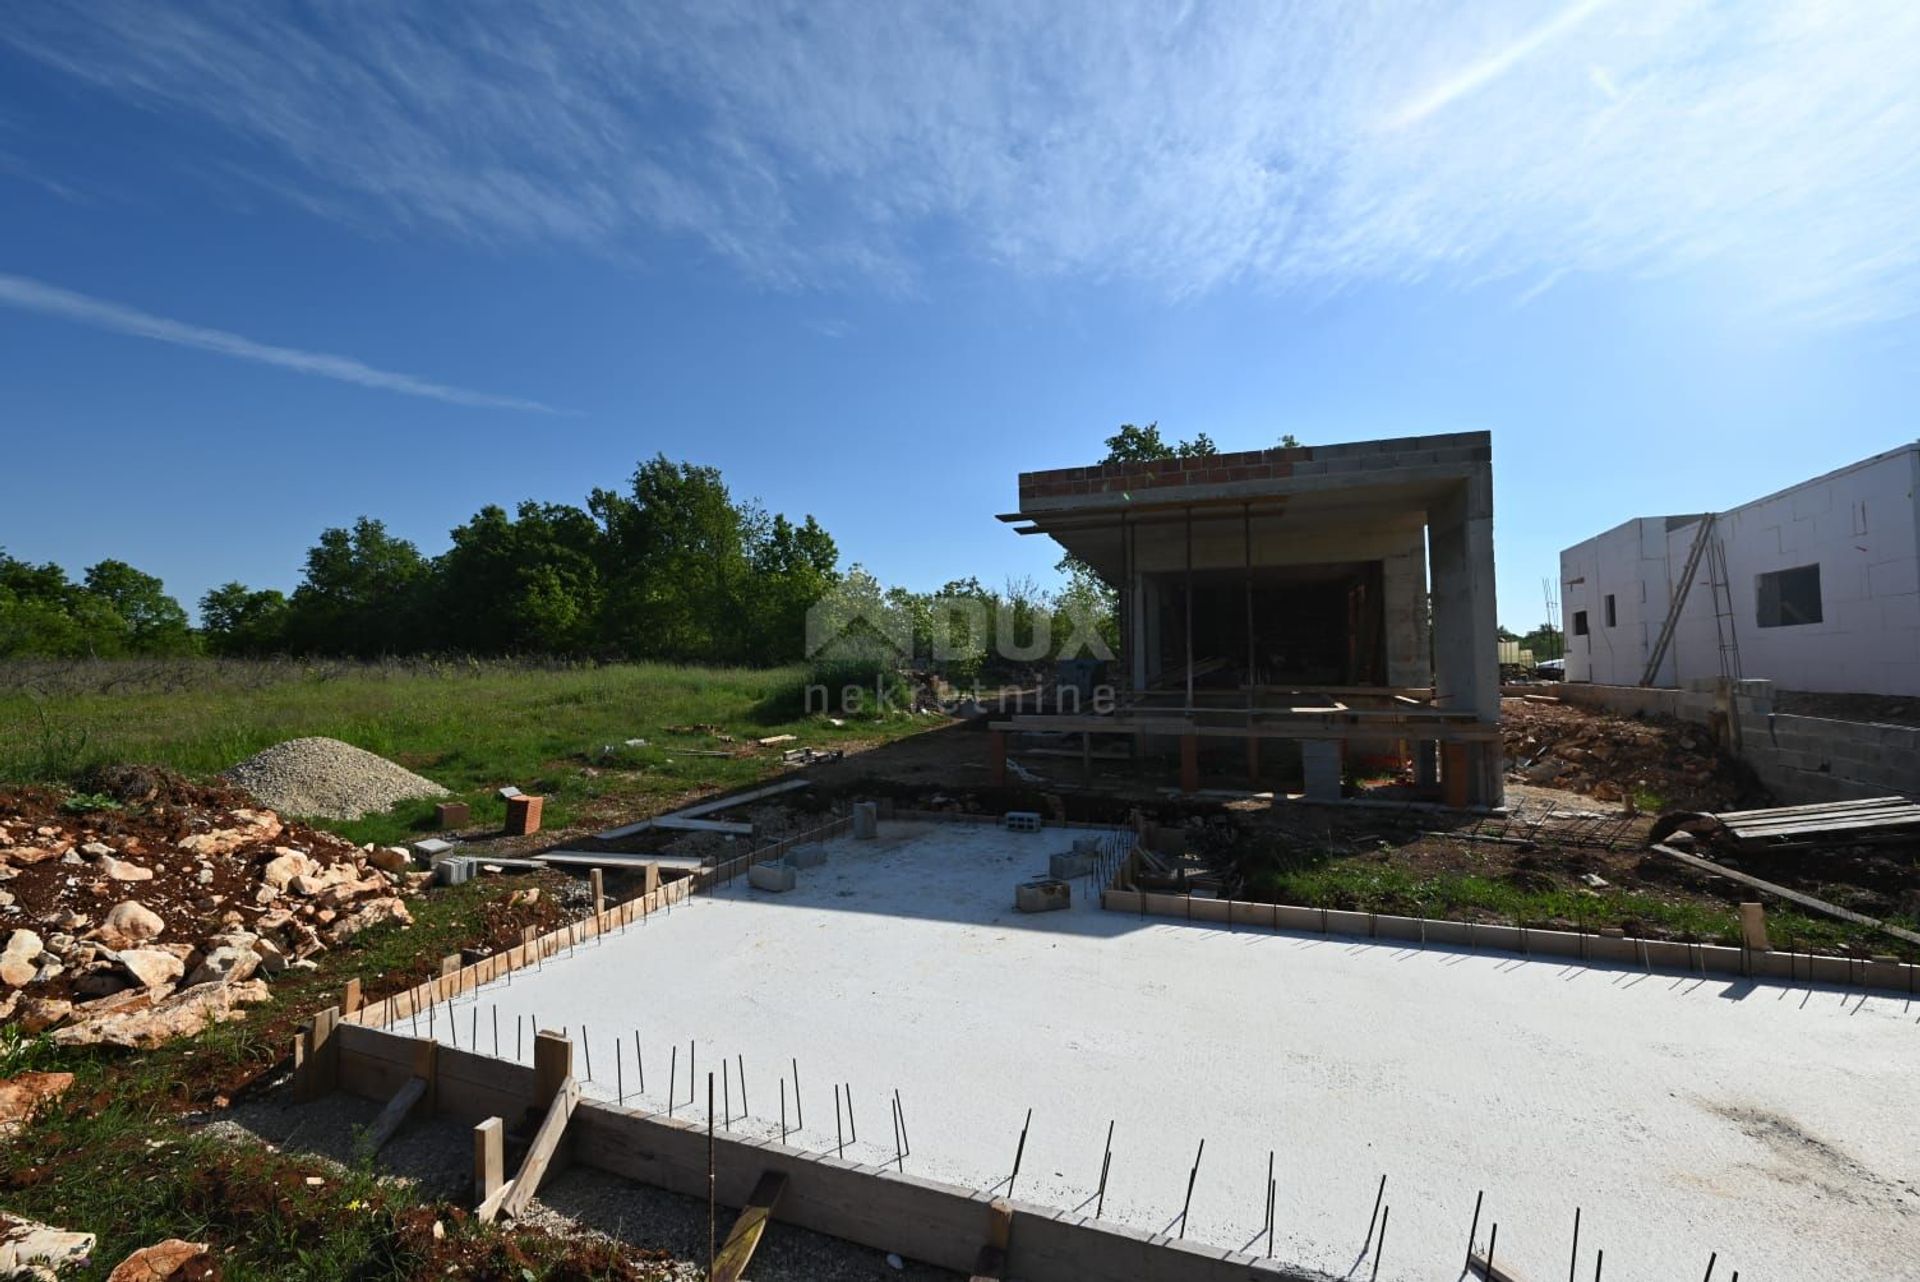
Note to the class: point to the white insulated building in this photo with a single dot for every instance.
(1816, 587)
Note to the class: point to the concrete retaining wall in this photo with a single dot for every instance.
(1593, 949)
(941, 1224)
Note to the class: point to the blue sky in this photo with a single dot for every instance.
(266, 268)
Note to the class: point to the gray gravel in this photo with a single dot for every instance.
(328, 779)
(437, 1156)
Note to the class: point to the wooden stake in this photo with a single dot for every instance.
(489, 1159)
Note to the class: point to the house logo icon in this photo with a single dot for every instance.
(855, 623)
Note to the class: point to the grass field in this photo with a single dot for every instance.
(473, 727)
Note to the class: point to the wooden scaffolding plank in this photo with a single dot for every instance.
(730, 1265)
(1839, 828)
(1816, 808)
(546, 1142)
(707, 807)
(678, 823)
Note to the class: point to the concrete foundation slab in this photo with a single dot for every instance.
(1684, 1115)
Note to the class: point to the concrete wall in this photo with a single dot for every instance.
(1860, 525)
(940, 1224)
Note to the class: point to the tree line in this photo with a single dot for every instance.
(671, 567)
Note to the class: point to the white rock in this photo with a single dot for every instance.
(25, 945)
(150, 967)
(284, 867)
(121, 870)
(95, 849)
(390, 858)
(133, 921)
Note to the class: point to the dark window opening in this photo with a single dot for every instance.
(1610, 617)
(1788, 598)
(1312, 625)
(1579, 623)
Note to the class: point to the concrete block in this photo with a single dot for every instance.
(431, 850)
(1320, 763)
(523, 815)
(808, 855)
(1042, 895)
(1022, 821)
(773, 877)
(452, 814)
(866, 821)
(1069, 863)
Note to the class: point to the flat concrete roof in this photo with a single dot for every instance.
(1773, 1124)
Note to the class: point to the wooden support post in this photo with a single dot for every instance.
(1189, 763)
(730, 1264)
(598, 881)
(991, 1264)
(1753, 927)
(541, 1154)
(552, 1065)
(426, 1067)
(395, 1114)
(997, 758)
(489, 1160)
(1253, 760)
(652, 884)
(350, 1002)
(320, 1060)
(1454, 775)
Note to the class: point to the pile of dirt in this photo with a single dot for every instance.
(153, 906)
(1653, 763)
(328, 779)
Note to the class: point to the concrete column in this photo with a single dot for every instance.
(1466, 623)
(1189, 763)
(1426, 763)
(1320, 763)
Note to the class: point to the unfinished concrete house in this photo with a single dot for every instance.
(1280, 597)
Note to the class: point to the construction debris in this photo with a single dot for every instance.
(1648, 764)
(137, 921)
(1874, 819)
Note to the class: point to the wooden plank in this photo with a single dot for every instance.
(1833, 828)
(489, 1162)
(546, 1142)
(708, 807)
(1823, 814)
(617, 859)
(1479, 1266)
(1815, 808)
(395, 1114)
(730, 1265)
(675, 823)
(1793, 896)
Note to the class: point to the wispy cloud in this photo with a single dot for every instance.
(826, 142)
(32, 295)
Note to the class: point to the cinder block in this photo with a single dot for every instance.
(1042, 895)
(1069, 863)
(452, 814)
(1022, 821)
(1320, 763)
(773, 877)
(866, 821)
(810, 855)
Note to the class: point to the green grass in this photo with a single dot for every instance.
(1365, 885)
(472, 727)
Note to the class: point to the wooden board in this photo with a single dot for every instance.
(546, 1142)
(730, 1265)
(707, 807)
(676, 823)
(622, 859)
(1793, 896)
(395, 1114)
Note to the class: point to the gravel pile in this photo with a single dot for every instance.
(327, 779)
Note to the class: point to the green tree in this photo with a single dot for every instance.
(676, 561)
(524, 584)
(236, 620)
(363, 594)
(154, 623)
(1144, 444)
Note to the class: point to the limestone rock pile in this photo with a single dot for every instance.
(146, 919)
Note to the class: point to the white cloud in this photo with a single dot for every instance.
(33, 296)
(823, 142)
